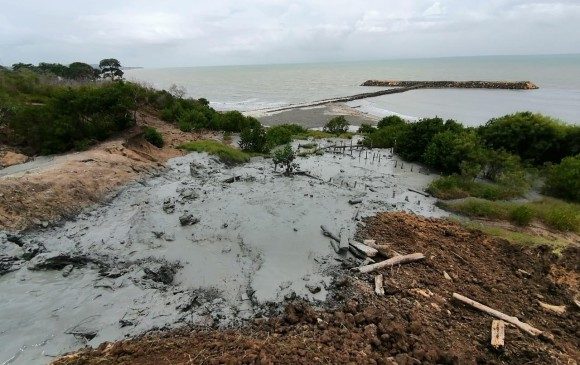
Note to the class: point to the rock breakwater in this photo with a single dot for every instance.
(507, 85)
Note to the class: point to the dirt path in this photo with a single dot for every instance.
(415, 322)
(45, 190)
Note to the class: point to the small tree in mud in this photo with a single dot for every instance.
(336, 125)
(285, 156)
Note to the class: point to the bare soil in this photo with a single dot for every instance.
(416, 322)
(70, 182)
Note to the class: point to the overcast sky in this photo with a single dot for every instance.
(224, 32)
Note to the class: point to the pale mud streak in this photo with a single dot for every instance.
(257, 241)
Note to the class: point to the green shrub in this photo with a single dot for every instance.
(227, 154)
(563, 180)
(153, 136)
(192, 120)
(533, 137)
(366, 129)
(448, 150)
(413, 141)
(279, 135)
(458, 186)
(336, 125)
(522, 215)
(391, 120)
(253, 139)
(285, 156)
(385, 137)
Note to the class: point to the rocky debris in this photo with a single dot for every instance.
(509, 85)
(8, 264)
(160, 272)
(32, 249)
(168, 206)
(188, 219)
(188, 194)
(15, 238)
(313, 288)
(12, 158)
(59, 260)
(66, 271)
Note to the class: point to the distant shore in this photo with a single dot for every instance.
(314, 117)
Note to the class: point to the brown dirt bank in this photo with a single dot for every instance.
(416, 322)
(70, 182)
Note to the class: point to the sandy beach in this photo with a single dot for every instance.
(314, 117)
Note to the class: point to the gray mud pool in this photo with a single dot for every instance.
(187, 247)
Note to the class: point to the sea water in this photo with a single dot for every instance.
(256, 87)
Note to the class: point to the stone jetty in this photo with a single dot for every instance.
(507, 85)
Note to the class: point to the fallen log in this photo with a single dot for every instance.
(385, 250)
(328, 233)
(343, 243)
(354, 201)
(397, 260)
(513, 320)
(232, 179)
(497, 334)
(356, 253)
(558, 309)
(368, 251)
(379, 289)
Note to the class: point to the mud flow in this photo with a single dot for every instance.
(201, 244)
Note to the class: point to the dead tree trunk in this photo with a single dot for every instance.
(397, 260)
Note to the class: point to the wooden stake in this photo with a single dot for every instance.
(513, 320)
(397, 260)
(497, 334)
(379, 290)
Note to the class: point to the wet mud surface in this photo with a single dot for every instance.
(188, 248)
(415, 322)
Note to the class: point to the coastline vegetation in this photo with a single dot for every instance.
(226, 154)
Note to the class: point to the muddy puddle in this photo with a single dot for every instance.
(187, 247)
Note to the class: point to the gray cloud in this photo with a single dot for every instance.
(183, 33)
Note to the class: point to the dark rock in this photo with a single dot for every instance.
(188, 219)
(57, 261)
(8, 264)
(188, 194)
(67, 270)
(313, 288)
(161, 273)
(168, 206)
(31, 249)
(14, 238)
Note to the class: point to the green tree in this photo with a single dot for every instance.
(285, 157)
(390, 120)
(253, 139)
(447, 150)
(111, 68)
(81, 71)
(336, 125)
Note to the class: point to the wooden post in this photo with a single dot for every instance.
(497, 334)
(379, 290)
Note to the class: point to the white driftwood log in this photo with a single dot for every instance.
(497, 334)
(513, 320)
(367, 250)
(379, 290)
(397, 260)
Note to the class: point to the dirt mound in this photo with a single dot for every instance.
(416, 322)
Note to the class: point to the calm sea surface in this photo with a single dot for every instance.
(265, 86)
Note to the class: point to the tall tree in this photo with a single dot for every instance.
(111, 68)
(81, 71)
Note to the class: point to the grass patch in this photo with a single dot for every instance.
(456, 187)
(520, 238)
(227, 154)
(311, 133)
(553, 213)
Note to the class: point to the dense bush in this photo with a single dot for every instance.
(366, 129)
(336, 125)
(534, 137)
(385, 137)
(285, 156)
(563, 180)
(391, 120)
(413, 142)
(447, 150)
(153, 136)
(279, 135)
(253, 139)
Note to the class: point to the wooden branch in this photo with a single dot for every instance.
(513, 320)
(385, 250)
(368, 251)
(497, 334)
(397, 260)
(379, 290)
(558, 309)
(343, 243)
(419, 192)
